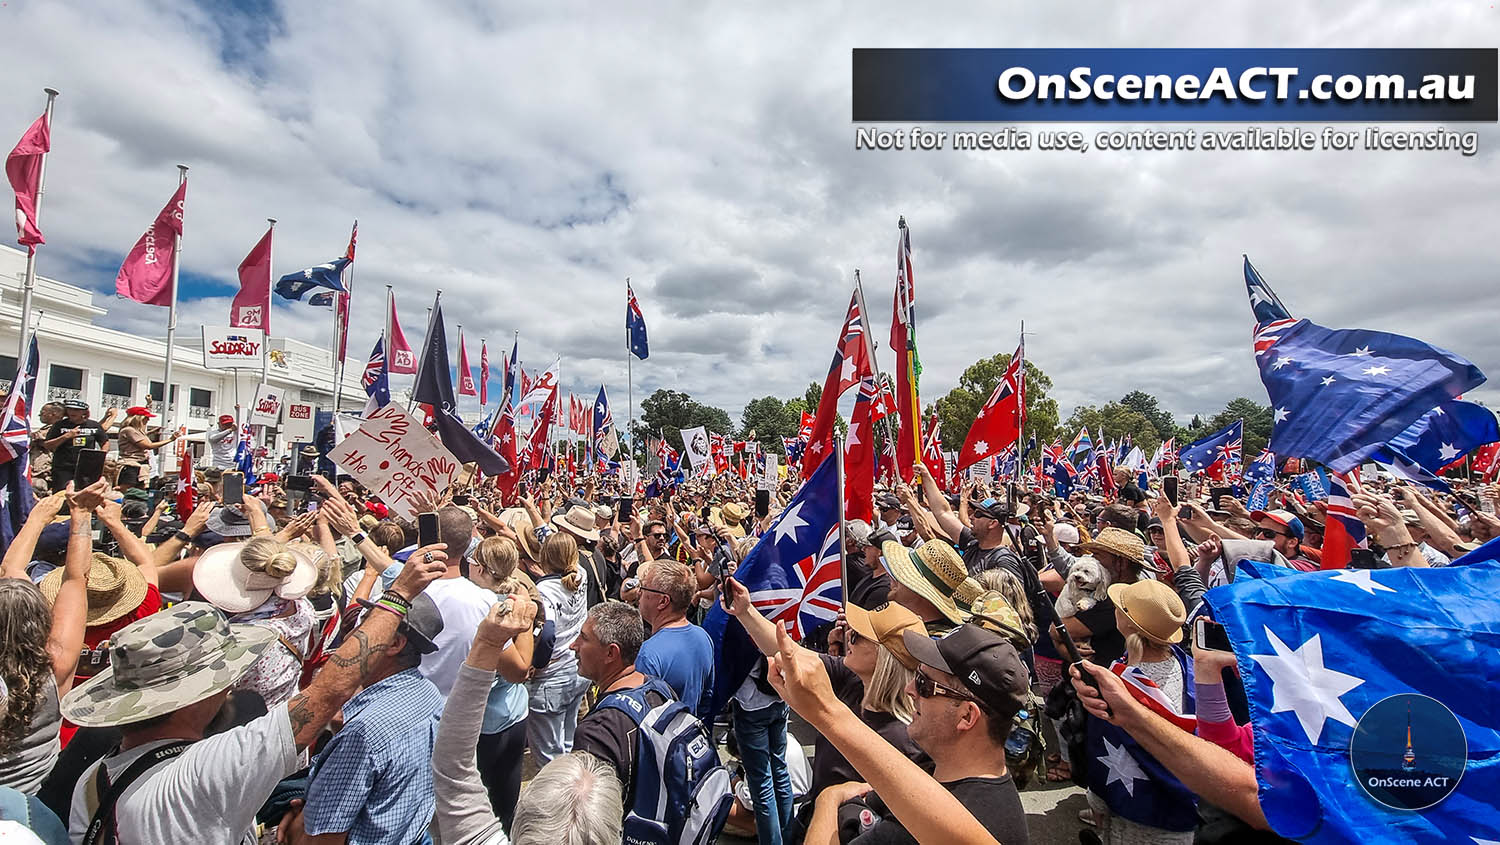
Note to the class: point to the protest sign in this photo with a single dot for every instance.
(232, 349)
(768, 479)
(393, 456)
(267, 407)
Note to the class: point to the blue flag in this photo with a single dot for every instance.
(1260, 495)
(434, 386)
(793, 576)
(377, 378)
(1314, 485)
(244, 456)
(1222, 445)
(330, 276)
(1134, 784)
(1371, 700)
(16, 496)
(1442, 436)
(635, 325)
(1263, 468)
(1488, 552)
(1338, 395)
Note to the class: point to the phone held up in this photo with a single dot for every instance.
(234, 488)
(89, 469)
(1210, 635)
(427, 528)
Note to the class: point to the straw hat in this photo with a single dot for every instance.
(578, 521)
(1120, 543)
(222, 577)
(1153, 607)
(933, 571)
(733, 512)
(885, 625)
(115, 588)
(520, 522)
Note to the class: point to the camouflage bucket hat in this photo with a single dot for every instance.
(166, 662)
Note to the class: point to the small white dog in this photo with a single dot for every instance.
(1086, 586)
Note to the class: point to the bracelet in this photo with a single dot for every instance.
(380, 605)
(1400, 548)
(182, 536)
(396, 599)
(357, 537)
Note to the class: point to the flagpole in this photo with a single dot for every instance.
(167, 407)
(838, 456)
(265, 357)
(30, 284)
(341, 331)
(1021, 397)
(629, 377)
(859, 291)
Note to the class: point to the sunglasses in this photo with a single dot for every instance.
(854, 637)
(645, 589)
(657, 535)
(928, 688)
(1270, 532)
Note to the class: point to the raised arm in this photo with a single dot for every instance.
(947, 520)
(70, 609)
(23, 546)
(762, 631)
(133, 548)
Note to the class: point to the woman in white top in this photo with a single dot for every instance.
(557, 689)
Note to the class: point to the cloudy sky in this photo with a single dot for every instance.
(527, 159)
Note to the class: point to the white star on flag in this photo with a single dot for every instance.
(1376, 371)
(788, 524)
(1438, 411)
(1281, 362)
(505, 438)
(1327, 381)
(853, 436)
(1361, 578)
(1363, 350)
(815, 448)
(1256, 297)
(980, 447)
(1282, 414)
(1123, 768)
(1447, 452)
(848, 371)
(1302, 684)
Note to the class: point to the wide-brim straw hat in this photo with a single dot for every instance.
(222, 577)
(115, 588)
(520, 522)
(1153, 607)
(733, 512)
(933, 571)
(1120, 543)
(165, 662)
(578, 521)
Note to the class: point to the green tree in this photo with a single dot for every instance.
(667, 412)
(770, 419)
(812, 395)
(1257, 419)
(956, 411)
(1112, 422)
(1148, 407)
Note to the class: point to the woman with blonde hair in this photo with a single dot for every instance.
(557, 689)
(135, 446)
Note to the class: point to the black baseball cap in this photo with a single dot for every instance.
(420, 625)
(994, 509)
(989, 666)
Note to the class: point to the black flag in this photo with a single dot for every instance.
(434, 386)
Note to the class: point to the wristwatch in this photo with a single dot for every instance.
(182, 536)
(357, 537)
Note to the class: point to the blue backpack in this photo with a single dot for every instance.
(682, 792)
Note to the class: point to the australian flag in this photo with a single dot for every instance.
(434, 386)
(635, 325)
(377, 378)
(1134, 784)
(1263, 468)
(1366, 690)
(1222, 445)
(1338, 395)
(1441, 437)
(16, 498)
(244, 456)
(330, 276)
(792, 575)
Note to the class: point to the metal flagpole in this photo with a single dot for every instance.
(629, 377)
(30, 283)
(167, 406)
(838, 455)
(265, 356)
(1021, 377)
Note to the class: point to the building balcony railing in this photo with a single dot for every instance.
(108, 401)
(200, 412)
(155, 408)
(58, 394)
(5, 386)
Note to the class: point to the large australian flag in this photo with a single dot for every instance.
(329, 276)
(1222, 445)
(1441, 437)
(1371, 694)
(1338, 395)
(635, 325)
(793, 575)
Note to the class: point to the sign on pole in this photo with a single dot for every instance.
(225, 348)
(267, 407)
(394, 456)
(768, 480)
(298, 425)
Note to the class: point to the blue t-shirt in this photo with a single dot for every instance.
(683, 657)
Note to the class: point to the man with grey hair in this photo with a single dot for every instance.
(678, 651)
(573, 800)
(607, 648)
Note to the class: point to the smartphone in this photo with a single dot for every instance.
(1215, 492)
(298, 483)
(1368, 473)
(460, 499)
(703, 513)
(626, 505)
(1363, 559)
(1073, 656)
(762, 503)
(1169, 487)
(427, 529)
(1184, 512)
(1210, 635)
(234, 488)
(130, 476)
(521, 489)
(90, 468)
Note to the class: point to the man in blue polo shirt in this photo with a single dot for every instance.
(678, 651)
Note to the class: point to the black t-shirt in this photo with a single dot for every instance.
(1107, 641)
(994, 802)
(977, 560)
(829, 766)
(65, 456)
(868, 588)
(610, 735)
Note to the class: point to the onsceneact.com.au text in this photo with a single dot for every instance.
(1255, 83)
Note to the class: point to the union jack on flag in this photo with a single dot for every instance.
(15, 426)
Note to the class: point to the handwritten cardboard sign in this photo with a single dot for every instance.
(392, 455)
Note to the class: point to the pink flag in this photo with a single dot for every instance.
(341, 304)
(465, 372)
(402, 360)
(251, 308)
(146, 275)
(484, 374)
(24, 169)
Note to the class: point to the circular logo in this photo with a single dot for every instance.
(1408, 752)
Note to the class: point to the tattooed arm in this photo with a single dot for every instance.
(348, 667)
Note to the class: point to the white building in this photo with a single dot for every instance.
(113, 369)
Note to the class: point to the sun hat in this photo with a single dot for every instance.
(310, 452)
(734, 512)
(933, 571)
(604, 512)
(858, 531)
(885, 625)
(224, 578)
(1286, 519)
(115, 588)
(228, 522)
(138, 411)
(1120, 543)
(1153, 607)
(165, 662)
(578, 521)
(520, 522)
(989, 666)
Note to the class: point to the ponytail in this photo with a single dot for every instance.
(560, 557)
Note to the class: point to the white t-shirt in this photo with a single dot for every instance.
(222, 445)
(567, 610)
(207, 795)
(463, 605)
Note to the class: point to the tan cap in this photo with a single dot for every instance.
(885, 625)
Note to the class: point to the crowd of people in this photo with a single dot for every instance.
(532, 666)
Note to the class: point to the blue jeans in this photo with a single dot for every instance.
(553, 716)
(762, 738)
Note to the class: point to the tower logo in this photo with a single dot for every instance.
(1408, 752)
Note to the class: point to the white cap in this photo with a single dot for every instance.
(1064, 532)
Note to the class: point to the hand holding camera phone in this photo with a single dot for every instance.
(234, 488)
(427, 529)
(90, 468)
(1210, 635)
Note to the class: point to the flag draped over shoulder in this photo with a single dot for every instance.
(1324, 653)
(146, 274)
(792, 575)
(23, 167)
